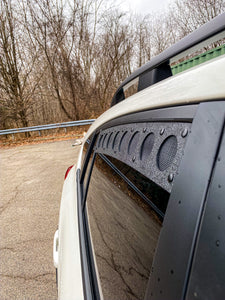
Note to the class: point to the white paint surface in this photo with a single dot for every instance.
(201, 83)
(70, 284)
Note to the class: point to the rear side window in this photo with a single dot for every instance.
(124, 228)
(128, 191)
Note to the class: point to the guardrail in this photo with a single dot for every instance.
(39, 128)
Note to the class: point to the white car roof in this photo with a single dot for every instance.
(201, 83)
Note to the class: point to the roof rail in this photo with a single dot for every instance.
(158, 68)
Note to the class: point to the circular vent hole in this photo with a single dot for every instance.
(104, 140)
(115, 140)
(167, 153)
(99, 141)
(123, 142)
(109, 140)
(133, 142)
(147, 146)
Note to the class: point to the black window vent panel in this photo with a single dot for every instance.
(154, 149)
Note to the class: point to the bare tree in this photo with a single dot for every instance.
(143, 38)
(114, 59)
(48, 28)
(63, 59)
(188, 15)
(17, 87)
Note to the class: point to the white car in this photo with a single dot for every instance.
(142, 213)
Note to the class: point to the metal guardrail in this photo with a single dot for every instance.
(39, 128)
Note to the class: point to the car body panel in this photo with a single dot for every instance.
(75, 262)
(191, 86)
(69, 263)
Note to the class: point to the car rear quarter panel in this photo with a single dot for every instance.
(69, 271)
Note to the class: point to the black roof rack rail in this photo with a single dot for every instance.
(158, 68)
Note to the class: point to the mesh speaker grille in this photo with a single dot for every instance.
(99, 142)
(123, 142)
(167, 153)
(109, 140)
(147, 146)
(104, 140)
(133, 142)
(116, 140)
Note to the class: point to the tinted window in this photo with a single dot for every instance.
(89, 163)
(124, 229)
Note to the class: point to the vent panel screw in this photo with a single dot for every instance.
(170, 177)
(184, 133)
(162, 131)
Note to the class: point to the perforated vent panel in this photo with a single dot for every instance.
(154, 149)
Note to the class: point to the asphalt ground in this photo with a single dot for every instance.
(31, 180)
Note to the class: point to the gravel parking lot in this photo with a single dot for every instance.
(30, 191)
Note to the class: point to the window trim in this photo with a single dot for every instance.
(91, 143)
(90, 283)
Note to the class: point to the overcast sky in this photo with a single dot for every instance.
(144, 6)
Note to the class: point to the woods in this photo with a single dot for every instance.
(63, 60)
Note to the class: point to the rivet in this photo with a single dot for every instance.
(162, 131)
(219, 186)
(184, 132)
(179, 202)
(170, 177)
(217, 243)
(144, 129)
(219, 217)
(195, 295)
(133, 158)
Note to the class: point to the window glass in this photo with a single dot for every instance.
(131, 88)
(84, 154)
(89, 162)
(151, 190)
(124, 229)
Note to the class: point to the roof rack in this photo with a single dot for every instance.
(158, 68)
(199, 59)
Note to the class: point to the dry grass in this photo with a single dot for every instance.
(46, 136)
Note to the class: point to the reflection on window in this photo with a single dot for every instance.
(131, 88)
(151, 190)
(124, 231)
(85, 149)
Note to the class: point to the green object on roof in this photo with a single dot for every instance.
(187, 64)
